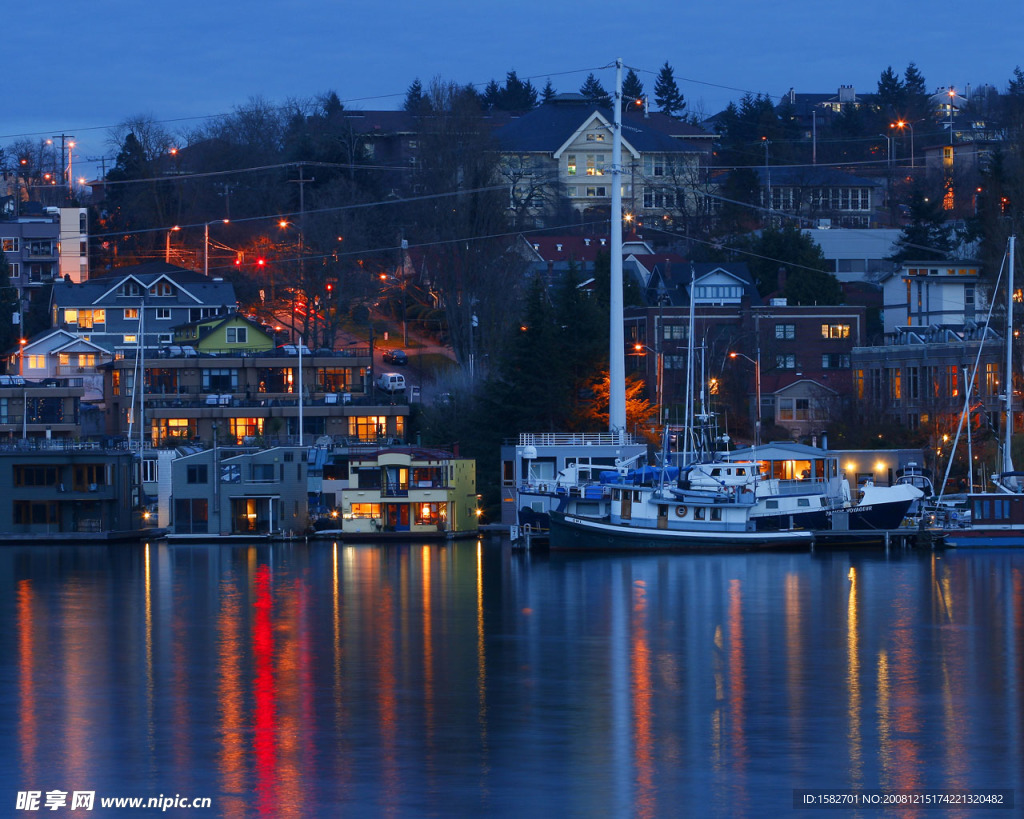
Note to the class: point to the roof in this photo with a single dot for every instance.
(816, 175)
(195, 288)
(547, 128)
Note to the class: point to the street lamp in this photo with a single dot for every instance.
(757, 389)
(167, 244)
(888, 149)
(206, 243)
(659, 382)
(901, 124)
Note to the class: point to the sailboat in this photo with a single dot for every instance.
(648, 508)
(996, 519)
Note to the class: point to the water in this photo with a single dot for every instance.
(469, 680)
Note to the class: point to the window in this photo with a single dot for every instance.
(131, 338)
(221, 379)
(572, 191)
(787, 331)
(86, 359)
(795, 409)
(367, 427)
(63, 359)
(197, 473)
(242, 428)
(131, 313)
(835, 361)
(366, 510)
(835, 330)
(161, 289)
(595, 165)
(163, 313)
(969, 296)
(595, 137)
(237, 335)
(10, 245)
(571, 159)
(71, 316)
(599, 190)
(674, 332)
(191, 515)
(36, 475)
(37, 362)
(149, 470)
(261, 473)
(785, 362)
(15, 269)
(992, 379)
(858, 384)
(131, 288)
(895, 383)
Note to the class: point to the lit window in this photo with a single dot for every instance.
(131, 313)
(37, 362)
(572, 164)
(71, 317)
(835, 330)
(131, 339)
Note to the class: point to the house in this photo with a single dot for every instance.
(857, 254)
(60, 357)
(789, 355)
(243, 397)
(138, 306)
(552, 256)
(68, 491)
(408, 491)
(40, 410)
(226, 491)
(820, 195)
(925, 293)
(563, 149)
(230, 334)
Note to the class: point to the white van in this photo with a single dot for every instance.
(391, 382)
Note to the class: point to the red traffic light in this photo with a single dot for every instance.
(261, 262)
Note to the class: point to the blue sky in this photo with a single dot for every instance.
(79, 68)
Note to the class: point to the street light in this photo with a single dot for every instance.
(888, 149)
(167, 244)
(659, 382)
(206, 243)
(757, 389)
(901, 124)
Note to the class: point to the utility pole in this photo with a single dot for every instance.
(301, 182)
(66, 170)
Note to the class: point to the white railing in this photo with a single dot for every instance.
(572, 439)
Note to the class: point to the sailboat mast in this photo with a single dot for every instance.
(1008, 424)
(616, 354)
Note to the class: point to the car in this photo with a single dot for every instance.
(396, 357)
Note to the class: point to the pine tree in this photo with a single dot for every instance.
(548, 93)
(927, 236)
(632, 90)
(891, 92)
(594, 91)
(666, 92)
(492, 94)
(415, 102)
(916, 92)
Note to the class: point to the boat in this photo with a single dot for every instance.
(662, 517)
(994, 520)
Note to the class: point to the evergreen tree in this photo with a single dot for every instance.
(415, 102)
(916, 105)
(548, 93)
(892, 93)
(594, 91)
(807, 278)
(927, 236)
(517, 95)
(632, 90)
(666, 92)
(492, 95)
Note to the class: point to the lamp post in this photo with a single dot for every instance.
(888, 149)
(757, 390)
(206, 243)
(167, 243)
(659, 364)
(901, 124)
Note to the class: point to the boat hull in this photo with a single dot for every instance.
(574, 533)
(984, 538)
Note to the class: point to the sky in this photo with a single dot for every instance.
(80, 69)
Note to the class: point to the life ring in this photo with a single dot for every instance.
(680, 511)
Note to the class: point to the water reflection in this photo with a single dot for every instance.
(467, 679)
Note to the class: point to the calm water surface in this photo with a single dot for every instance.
(470, 680)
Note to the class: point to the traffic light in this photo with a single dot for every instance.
(261, 262)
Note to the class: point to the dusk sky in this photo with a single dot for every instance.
(79, 69)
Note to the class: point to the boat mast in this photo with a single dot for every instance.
(616, 356)
(1008, 422)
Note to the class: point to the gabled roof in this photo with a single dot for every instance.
(549, 128)
(193, 288)
(676, 280)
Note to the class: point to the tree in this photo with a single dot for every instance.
(516, 95)
(916, 105)
(892, 93)
(414, 99)
(594, 91)
(632, 89)
(666, 92)
(790, 249)
(548, 93)
(927, 236)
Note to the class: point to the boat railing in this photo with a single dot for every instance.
(574, 439)
(811, 486)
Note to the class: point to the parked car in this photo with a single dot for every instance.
(396, 357)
